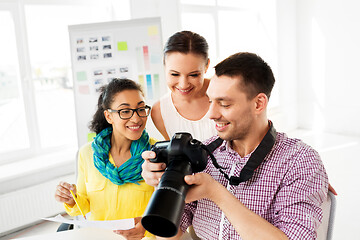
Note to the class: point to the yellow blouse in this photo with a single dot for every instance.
(104, 199)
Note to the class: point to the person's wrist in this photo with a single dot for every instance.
(213, 190)
(71, 203)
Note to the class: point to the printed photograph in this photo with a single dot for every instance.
(98, 81)
(105, 38)
(106, 47)
(107, 55)
(98, 72)
(111, 71)
(124, 69)
(94, 56)
(93, 39)
(81, 57)
(81, 49)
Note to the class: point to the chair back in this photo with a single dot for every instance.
(325, 229)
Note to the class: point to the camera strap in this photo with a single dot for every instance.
(254, 161)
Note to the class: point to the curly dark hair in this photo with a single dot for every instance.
(107, 93)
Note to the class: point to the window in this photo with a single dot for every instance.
(13, 125)
(232, 26)
(51, 68)
(37, 112)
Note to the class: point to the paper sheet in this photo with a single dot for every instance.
(123, 224)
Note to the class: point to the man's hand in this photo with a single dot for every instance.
(151, 172)
(202, 186)
(135, 233)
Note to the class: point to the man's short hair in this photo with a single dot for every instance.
(256, 73)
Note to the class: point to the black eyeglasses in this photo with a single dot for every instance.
(127, 113)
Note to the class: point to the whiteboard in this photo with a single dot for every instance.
(103, 51)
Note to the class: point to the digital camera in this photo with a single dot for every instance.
(183, 155)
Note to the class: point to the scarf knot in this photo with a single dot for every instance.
(129, 171)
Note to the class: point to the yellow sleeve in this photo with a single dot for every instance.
(81, 194)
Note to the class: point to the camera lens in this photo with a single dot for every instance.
(163, 214)
(183, 156)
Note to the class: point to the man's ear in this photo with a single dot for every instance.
(108, 117)
(261, 102)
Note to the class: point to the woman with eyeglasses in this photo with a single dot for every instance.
(109, 183)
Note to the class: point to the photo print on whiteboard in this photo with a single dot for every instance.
(94, 48)
(105, 38)
(93, 39)
(98, 81)
(98, 72)
(80, 49)
(94, 56)
(111, 71)
(79, 41)
(107, 55)
(124, 69)
(107, 47)
(81, 57)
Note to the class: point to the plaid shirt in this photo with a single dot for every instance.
(287, 190)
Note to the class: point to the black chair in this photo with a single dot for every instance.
(65, 227)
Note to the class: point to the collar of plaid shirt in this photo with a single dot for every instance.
(255, 160)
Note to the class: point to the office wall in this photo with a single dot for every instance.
(168, 10)
(285, 115)
(328, 51)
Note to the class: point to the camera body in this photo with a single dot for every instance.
(183, 155)
(183, 146)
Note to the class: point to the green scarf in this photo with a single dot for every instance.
(129, 171)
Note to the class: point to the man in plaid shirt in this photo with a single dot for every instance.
(282, 199)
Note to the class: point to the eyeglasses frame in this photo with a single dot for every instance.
(133, 111)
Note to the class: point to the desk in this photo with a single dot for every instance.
(88, 234)
(78, 234)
